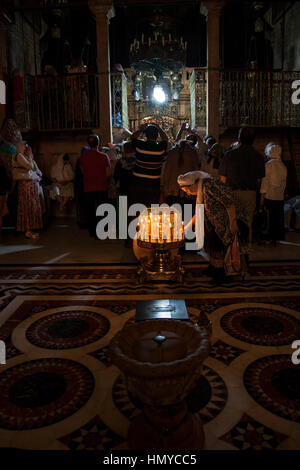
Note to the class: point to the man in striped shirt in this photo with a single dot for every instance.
(150, 154)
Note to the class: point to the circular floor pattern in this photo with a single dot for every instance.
(67, 329)
(208, 398)
(261, 326)
(274, 383)
(42, 392)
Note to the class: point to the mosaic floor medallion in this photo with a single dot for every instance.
(94, 435)
(261, 326)
(249, 434)
(224, 352)
(208, 397)
(38, 393)
(274, 382)
(68, 329)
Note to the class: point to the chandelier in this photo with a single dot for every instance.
(158, 45)
(157, 62)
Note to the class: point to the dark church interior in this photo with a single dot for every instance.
(149, 227)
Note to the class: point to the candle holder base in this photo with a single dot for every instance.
(161, 266)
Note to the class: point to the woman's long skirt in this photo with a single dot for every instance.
(214, 246)
(29, 207)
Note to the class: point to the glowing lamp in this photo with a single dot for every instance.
(159, 95)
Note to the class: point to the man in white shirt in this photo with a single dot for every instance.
(272, 192)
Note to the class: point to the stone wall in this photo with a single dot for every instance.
(292, 38)
(287, 52)
(23, 43)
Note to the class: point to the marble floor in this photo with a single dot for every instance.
(58, 387)
(64, 243)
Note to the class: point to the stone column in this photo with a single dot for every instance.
(103, 11)
(213, 12)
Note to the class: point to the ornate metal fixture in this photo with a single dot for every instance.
(157, 62)
(158, 45)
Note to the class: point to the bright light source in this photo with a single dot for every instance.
(159, 94)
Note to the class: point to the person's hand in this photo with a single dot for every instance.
(234, 229)
(183, 126)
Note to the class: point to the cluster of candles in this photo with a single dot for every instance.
(163, 227)
(158, 38)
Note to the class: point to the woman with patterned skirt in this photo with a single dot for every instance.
(29, 208)
(224, 217)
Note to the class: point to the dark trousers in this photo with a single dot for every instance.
(144, 191)
(92, 200)
(276, 219)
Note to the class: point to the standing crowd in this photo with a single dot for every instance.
(234, 185)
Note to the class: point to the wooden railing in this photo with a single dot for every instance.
(71, 101)
(260, 98)
(62, 102)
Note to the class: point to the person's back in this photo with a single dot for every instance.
(149, 157)
(182, 158)
(93, 164)
(243, 167)
(150, 154)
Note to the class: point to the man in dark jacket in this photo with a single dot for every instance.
(242, 168)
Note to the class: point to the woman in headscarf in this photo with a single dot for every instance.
(223, 218)
(272, 192)
(62, 175)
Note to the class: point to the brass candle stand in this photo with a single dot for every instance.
(161, 264)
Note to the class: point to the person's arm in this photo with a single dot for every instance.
(108, 168)
(190, 223)
(223, 169)
(200, 144)
(180, 132)
(138, 132)
(232, 219)
(264, 186)
(162, 134)
(24, 162)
